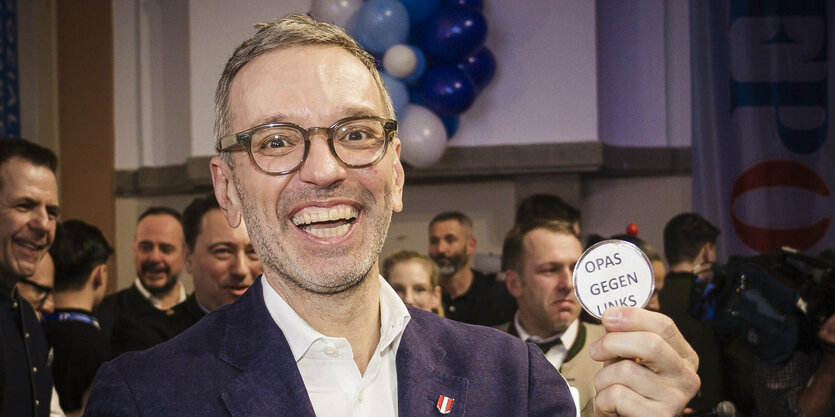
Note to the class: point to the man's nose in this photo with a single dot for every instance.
(240, 265)
(321, 167)
(41, 220)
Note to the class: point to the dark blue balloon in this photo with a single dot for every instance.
(419, 10)
(475, 4)
(480, 66)
(451, 124)
(453, 32)
(447, 90)
(414, 95)
(398, 92)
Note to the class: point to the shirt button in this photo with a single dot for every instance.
(362, 395)
(34, 369)
(37, 403)
(14, 304)
(452, 308)
(331, 350)
(26, 335)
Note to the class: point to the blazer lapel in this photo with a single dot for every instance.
(270, 382)
(419, 384)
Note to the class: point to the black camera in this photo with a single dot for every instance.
(774, 303)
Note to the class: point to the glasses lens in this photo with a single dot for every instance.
(359, 142)
(277, 149)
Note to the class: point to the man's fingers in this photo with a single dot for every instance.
(669, 394)
(646, 348)
(630, 319)
(620, 401)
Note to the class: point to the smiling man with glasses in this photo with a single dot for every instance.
(321, 332)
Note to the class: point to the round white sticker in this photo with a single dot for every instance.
(613, 273)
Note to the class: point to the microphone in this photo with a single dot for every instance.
(723, 409)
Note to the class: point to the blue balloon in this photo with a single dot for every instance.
(475, 4)
(398, 92)
(414, 95)
(480, 66)
(419, 10)
(453, 32)
(379, 24)
(447, 90)
(420, 66)
(451, 124)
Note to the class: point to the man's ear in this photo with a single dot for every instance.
(399, 179)
(187, 261)
(471, 244)
(99, 276)
(225, 191)
(513, 282)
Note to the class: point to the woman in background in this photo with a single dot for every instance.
(414, 277)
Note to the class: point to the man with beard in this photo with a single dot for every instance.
(320, 332)
(28, 213)
(469, 296)
(142, 315)
(538, 258)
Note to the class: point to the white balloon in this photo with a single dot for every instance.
(399, 61)
(334, 11)
(422, 135)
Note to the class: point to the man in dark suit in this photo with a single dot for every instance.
(321, 333)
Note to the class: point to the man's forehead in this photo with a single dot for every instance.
(540, 241)
(32, 177)
(214, 224)
(307, 85)
(158, 226)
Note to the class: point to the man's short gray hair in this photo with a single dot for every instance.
(290, 31)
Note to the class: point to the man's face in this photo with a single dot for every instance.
(40, 295)
(158, 252)
(450, 246)
(322, 227)
(223, 262)
(544, 290)
(28, 208)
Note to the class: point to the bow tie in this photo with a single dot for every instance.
(546, 346)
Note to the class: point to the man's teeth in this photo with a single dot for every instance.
(329, 231)
(324, 215)
(28, 245)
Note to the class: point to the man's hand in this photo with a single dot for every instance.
(649, 369)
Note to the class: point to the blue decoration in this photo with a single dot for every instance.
(419, 10)
(480, 66)
(447, 90)
(420, 66)
(379, 24)
(451, 124)
(9, 87)
(475, 4)
(453, 32)
(398, 92)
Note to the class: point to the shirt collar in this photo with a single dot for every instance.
(300, 336)
(154, 300)
(567, 337)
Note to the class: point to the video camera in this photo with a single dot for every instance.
(773, 303)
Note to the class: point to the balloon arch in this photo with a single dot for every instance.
(433, 58)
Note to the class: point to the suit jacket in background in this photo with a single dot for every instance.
(237, 362)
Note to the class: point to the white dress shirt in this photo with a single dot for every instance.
(327, 366)
(556, 355)
(154, 300)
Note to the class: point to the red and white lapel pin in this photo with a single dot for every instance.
(444, 404)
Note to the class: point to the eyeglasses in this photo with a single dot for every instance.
(43, 292)
(281, 148)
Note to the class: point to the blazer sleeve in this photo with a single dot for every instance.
(548, 393)
(111, 395)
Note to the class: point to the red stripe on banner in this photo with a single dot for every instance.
(779, 173)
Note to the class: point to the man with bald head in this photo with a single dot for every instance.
(142, 315)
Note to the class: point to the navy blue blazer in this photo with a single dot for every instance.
(237, 362)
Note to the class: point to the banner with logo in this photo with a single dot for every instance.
(763, 82)
(9, 87)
